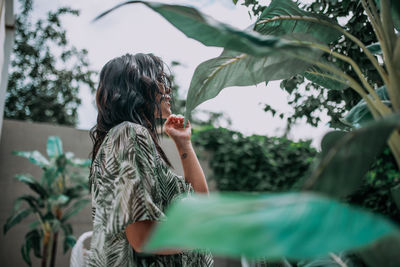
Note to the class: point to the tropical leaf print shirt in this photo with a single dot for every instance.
(130, 182)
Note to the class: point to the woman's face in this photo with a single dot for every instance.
(165, 104)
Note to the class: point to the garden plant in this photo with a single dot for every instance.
(312, 221)
(60, 194)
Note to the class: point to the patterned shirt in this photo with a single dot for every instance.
(130, 182)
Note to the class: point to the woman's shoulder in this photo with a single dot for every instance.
(127, 129)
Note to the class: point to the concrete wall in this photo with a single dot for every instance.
(27, 136)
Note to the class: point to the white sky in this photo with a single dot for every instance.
(136, 28)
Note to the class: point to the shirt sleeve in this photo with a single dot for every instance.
(135, 188)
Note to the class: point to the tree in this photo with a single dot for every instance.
(46, 71)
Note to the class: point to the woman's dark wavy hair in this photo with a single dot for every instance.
(127, 92)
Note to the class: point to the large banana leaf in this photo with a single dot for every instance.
(346, 157)
(273, 22)
(237, 69)
(211, 32)
(290, 225)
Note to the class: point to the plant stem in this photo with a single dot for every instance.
(46, 239)
(369, 55)
(350, 81)
(383, 108)
(372, 14)
(54, 250)
(387, 25)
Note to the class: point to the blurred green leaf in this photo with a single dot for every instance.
(15, 219)
(277, 26)
(69, 242)
(58, 200)
(346, 157)
(290, 225)
(54, 147)
(77, 161)
(33, 184)
(32, 241)
(35, 157)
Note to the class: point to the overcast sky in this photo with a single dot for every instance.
(136, 28)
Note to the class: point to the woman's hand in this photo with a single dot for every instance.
(174, 128)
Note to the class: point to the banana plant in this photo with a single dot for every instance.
(60, 194)
(286, 41)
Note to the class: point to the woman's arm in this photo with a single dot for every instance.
(191, 167)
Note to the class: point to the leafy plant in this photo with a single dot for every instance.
(59, 195)
(285, 41)
(44, 82)
(255, 163)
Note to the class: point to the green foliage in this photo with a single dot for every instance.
(346, 157)
(255, 163)
(291, 225)
(310, 99)
(44, 82)
(376, 191)
(61, 194)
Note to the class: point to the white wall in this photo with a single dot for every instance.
(6, 41)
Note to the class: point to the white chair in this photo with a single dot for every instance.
(79, 254)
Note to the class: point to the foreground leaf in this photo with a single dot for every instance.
(290, 225)
(346, 157)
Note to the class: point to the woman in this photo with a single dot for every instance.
(131, 179)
